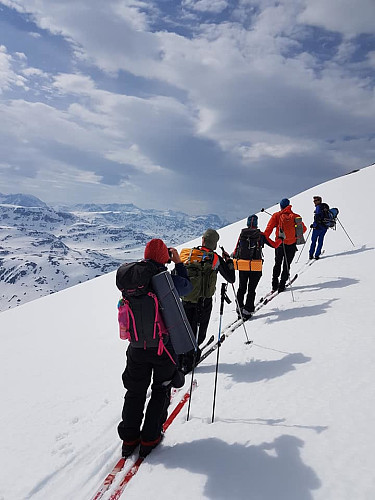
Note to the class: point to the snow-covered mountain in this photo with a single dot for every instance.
(295, 411)
(44, 249)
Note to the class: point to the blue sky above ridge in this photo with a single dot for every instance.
(202, 106)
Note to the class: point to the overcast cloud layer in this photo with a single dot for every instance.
(169, 103)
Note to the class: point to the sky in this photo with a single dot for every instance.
(294, 414)
(204, 106)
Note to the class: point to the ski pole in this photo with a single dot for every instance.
(303, 246)
(193, 368)
(223, 299)
(240, 312)
(264, 210)
(345, 232)
(238, 307)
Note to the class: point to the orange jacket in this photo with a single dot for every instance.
(274, 222)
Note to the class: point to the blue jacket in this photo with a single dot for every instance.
(179, 276)
(181, 280)
(318, 218)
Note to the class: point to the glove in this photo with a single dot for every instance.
(225, 255)
(311, 226)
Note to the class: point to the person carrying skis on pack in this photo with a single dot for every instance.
(248, 253)
(284, 222)
(319, 227)
(203, 264)
(147, 356)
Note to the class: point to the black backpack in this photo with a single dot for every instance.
(249, 245)
(138, 311)
(328, 215)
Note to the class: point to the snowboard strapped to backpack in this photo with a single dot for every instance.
(329, 215)
(249, 255)
(201, 264)
(139, 314)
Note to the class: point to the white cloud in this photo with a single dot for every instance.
(8, 77)
(344, 16)
(30, 72)
(215, 6)
(229, 95)
(74, 84)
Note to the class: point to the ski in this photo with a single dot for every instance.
(119, 466)
(209, 342)
(212, 348)
(136, 465)
(274, 294)
(109, 479)
(311, 262)
(229, 329)
(259, 305)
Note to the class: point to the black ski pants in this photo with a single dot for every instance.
(248, 282)
(199, 314)
(281, 252)
(143, 365)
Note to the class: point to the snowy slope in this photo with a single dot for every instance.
(294, 414)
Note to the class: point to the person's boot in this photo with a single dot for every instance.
(246, 314)
(147, 446)
(128, 447)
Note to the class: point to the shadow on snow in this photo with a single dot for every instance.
(257, 370)
(268, 471)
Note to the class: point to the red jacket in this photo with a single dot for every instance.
(274, 222)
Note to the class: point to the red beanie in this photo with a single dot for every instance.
(157, 250)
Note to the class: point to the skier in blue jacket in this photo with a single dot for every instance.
(319, 228)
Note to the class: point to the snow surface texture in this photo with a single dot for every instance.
(294, 413)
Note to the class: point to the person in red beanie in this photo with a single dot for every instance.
(157, 251)
(146, 362)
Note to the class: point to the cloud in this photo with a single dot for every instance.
(341, 15)
(214, 6)
(224, 107)
(9, 77)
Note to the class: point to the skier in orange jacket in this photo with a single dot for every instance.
(284, 223)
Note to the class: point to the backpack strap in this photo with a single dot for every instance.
(158, 323)
(215, 257)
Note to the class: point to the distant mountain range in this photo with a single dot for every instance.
(44, 249)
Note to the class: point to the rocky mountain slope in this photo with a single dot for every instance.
(45, 249)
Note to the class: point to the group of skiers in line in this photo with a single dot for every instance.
(194, 277)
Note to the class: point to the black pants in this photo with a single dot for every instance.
(141, 366)
(248, 282)
(290, 251)
(198, 315)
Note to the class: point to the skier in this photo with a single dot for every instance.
(249, 248)
(319, 228)
(203, 274)
(284, 222)
(144, 364)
